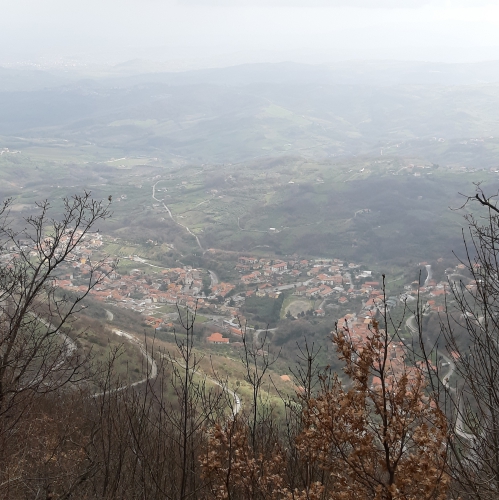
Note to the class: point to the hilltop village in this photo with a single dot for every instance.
(346, 294)
(320, 280)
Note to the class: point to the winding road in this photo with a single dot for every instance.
(459, 427)
(292, 285)
(429, 274)
(249, 230)
(256, 334)
(69, 347)
(152, 371)
(135, 258)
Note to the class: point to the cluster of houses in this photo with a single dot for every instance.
(330, 279)
(262, 269)
(139, 291)
(145, 292)
(136, 290)
(320, 278)
(359, 326)
(336, 282)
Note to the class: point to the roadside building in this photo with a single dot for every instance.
(217, 338)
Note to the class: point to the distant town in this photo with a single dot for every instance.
(320, 281)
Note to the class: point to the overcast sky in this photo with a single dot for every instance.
(209, 32)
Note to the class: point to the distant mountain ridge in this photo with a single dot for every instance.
(377, 73)
(349, 73)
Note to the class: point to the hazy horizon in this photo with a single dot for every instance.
(194, 34)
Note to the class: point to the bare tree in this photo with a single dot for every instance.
(149, 439)
(469, 345)
(36, 356)
(304, 471)
(244, 457)
(194, 407)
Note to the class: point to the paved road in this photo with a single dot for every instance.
(257, 333)
(153, 373)
(250, 230)
(70, 347)
(135, 258)
(236, 400)
(460, 276)
(412, 325)
(459, 427)
(151, 363)
(429, 274)
(292, 285)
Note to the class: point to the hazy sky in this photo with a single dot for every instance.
(205, 32)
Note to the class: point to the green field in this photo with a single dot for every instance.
(296, 305)
(366, 209)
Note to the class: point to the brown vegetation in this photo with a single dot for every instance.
(367, 441)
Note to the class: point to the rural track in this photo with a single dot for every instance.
(171, 217)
